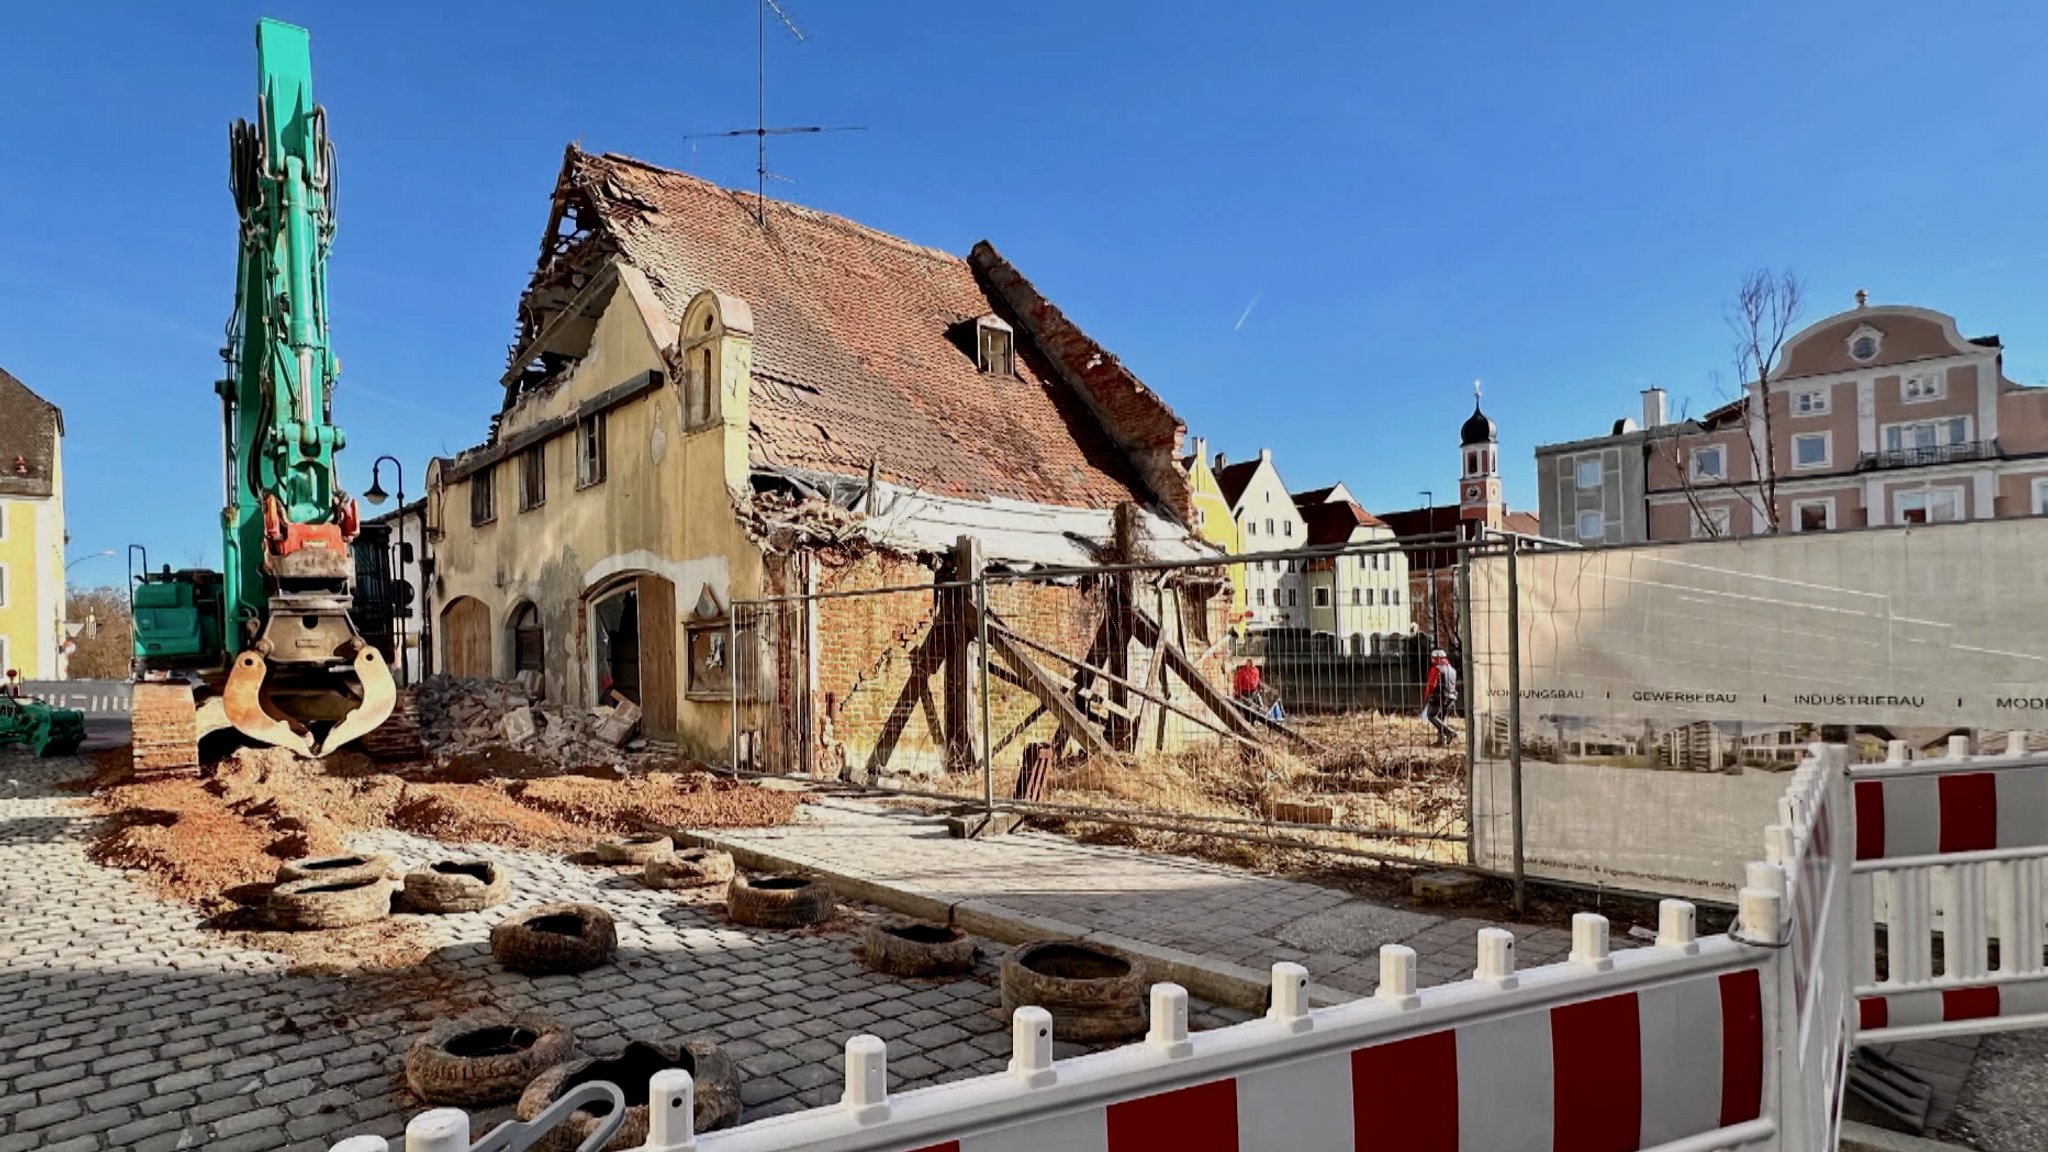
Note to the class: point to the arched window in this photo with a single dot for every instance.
(528, 647)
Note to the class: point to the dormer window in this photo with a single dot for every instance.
(1865, 343)
(994, 344)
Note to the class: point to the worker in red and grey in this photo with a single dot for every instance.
(1244, 683)
(1440, 696)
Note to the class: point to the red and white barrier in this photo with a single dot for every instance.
(1958, 803)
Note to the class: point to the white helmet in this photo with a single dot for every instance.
(1437, 654)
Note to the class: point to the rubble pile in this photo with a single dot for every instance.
(501, 727)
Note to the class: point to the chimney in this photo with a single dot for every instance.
(1265, 453)
(1201, 449)
(1220, 459)
(1653, 407)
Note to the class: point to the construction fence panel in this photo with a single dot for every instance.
(1948, 860)
(1687, 1045)
(1664, 691)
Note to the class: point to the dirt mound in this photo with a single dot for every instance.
(486, 814)
(192, 846)
(662, 799)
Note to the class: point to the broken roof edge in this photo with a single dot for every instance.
(1137, 419)
(828, 511)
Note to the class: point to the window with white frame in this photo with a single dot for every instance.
(1397, 597)
(1586, 471)
(1928, 506)
(1358, 596)
(1261, 597)
(1927, 434)
(1810, 402)
(4, 664)
(1591, 526)
(1923, 386)
(1710, 462)
(1810, 450)
(1322, 596)
(1813, 515)
(3, 595)
(2041, 495)
(1293, 598)
(1710, 522)
(1269, 525)
(1287, 528)
(1251, 527)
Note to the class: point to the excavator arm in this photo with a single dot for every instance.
(303, 677)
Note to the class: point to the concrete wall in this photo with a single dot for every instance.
(1910, 633)
(663, 508)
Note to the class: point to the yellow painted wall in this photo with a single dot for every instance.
(663, 508)
(32, 552)
(1214, 523)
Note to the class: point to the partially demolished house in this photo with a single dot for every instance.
(714, 401)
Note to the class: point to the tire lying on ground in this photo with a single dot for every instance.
(488, 1058)
(634, 849)
(688, 868)
(456, 886)
(778, 901)
(356, 866)
(915, 948)
(298, 905)
(1094, 993)
(717, 1087)
(555, 938)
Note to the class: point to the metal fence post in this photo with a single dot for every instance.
(732, 671)
(1515, 717)
(988, 754)
(1461, 602)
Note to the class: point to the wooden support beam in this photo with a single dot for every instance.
(1094, 693)
(1177, 661)
(1053, 695)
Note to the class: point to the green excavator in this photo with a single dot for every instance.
(267, 645)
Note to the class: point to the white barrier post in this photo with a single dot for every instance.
(440, 1130)
(1031, 1047)
(1678, 926)
(362, 1144)
(1764, 874)
(1290, 998)
(2015, 743)
(1169, 1033)
(1897, 752)
(1959, 747)
(867, 1079)
(1397, 976)
(1759, 913)
(1589, 941)
(671, 1112)
(1496, 958)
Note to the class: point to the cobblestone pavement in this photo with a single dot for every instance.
(124, 1024)
(1158, 901)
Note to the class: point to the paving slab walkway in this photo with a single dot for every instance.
(1215, 929)
(126, 1024)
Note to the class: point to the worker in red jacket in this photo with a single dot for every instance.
(1244, 683)
(1440, 696)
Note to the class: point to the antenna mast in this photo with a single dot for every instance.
(761, 131)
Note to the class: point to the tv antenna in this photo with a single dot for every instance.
(761, 131)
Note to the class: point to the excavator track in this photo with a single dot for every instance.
(164, 726)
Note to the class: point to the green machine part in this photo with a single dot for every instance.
(276, 397)
(45, 729)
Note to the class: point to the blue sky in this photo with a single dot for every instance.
(1559, 199)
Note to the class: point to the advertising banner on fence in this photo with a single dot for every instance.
(1665, 689)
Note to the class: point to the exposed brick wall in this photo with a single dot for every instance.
(882, 659)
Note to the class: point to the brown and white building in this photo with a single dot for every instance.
(1880, 416)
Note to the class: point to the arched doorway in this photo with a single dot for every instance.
(466, 638)
(633, 648)
(529, 650)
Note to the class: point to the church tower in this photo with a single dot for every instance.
(1479, 503)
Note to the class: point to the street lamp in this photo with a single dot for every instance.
(88, 556)
(375, 494)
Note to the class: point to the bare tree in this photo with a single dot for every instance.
(104, 646)
(1762, 319)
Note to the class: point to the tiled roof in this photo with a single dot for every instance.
(1234, 478)
(1313, 496)
(29, 427)
(1334, 523)
(863, 345)
(1442, 520)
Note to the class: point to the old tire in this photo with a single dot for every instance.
(300, 905)
(778, 901)
(355, 866)
(634, 849)
(456, 886)
(555, 938)
(1094, 993)
(915, 948)
(488, 1058)
(717, 1087)
(688, 868)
